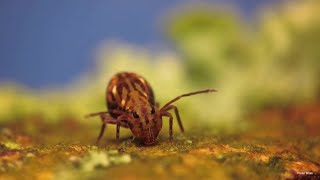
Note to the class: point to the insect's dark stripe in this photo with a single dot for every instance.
(127, 79)
(119, 90)
(142, 84)
(130, 82)
(113, 102)
(110, 97)
(115, 92)
(127, 100)
(141, 94)
(123, 86)
(143, 98)
(146, 88)
(133, 78)
(142, 91)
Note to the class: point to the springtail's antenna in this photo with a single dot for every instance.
(115, 111)
(95, 114)
(188, 94)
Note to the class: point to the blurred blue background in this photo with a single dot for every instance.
(47, 43)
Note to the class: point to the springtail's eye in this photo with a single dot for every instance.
(152, 110)
(135, 115)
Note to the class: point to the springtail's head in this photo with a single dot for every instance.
(146, 123)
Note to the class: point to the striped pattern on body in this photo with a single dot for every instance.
(128, 92)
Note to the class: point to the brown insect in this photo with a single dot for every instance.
(131, 104)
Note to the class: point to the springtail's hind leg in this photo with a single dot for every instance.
(105, 120)
(177, 115)
(118, 132)
(101, 133)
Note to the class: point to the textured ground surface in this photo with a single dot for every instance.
(279, 145)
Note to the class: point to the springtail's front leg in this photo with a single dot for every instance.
(167, 114)
(177, 115)
(105, 120)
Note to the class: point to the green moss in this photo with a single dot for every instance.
(95, 160)
(11, 145)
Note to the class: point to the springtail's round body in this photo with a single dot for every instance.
(131, 104)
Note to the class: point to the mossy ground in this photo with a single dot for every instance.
(272, 149)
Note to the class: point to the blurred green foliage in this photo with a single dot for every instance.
(271, 63)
